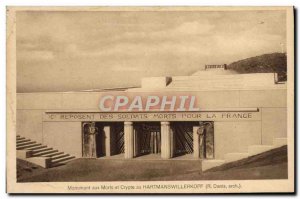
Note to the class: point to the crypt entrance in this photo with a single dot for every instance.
(181, 140)
(192, 139)
(147, 138)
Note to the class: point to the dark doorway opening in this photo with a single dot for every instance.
(147, 138)
(183, 137)
(117, 138)
(185, 133)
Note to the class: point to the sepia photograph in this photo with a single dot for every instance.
(150, 99)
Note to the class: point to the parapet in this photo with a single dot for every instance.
(156, 82)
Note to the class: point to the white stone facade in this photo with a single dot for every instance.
(258, 94)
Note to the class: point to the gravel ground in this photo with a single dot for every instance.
(269, 165)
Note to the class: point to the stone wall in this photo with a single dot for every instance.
(228, 135)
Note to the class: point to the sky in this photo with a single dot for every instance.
(74, 50)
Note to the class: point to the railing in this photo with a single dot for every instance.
(224, 66)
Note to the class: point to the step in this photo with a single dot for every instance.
(45, 152)
(61, 163)
(36, 147)
(20, 138)
(26, 143)
(59, 160)
(27, 146)
(41, 150)
(278, 142)
(23, 154)
(257, 149)
(41, 161)
(68, 160)
(231, 157)
(52, 154)
(59, 156)
(208, 164)
(22, 141)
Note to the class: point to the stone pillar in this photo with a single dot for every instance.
(128, 140)
(196, 143)
(107, 136)
(165, 140)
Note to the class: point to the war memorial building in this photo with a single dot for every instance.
(229, 116)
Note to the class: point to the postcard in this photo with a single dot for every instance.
(150, 100)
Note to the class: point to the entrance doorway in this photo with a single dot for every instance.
(147, 138)
(117, 138)
(184, 135)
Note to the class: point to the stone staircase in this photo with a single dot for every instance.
(252, 150)
(39, 154)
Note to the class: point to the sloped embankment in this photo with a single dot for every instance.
(272, 157)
